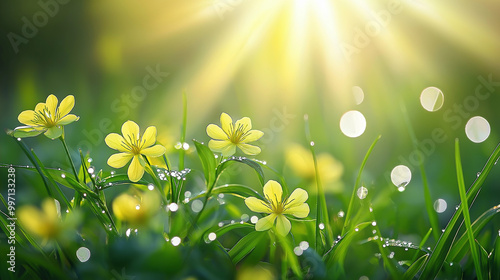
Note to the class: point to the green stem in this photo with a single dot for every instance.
(69, 157)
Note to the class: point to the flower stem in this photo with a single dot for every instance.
(78, 197)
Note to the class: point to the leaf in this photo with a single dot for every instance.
(207, 161)
(245, 245)
(254, 165)
(118, 179)
(415, 267)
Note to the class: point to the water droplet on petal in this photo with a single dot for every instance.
(352, 124)
(432, 99)
(477, 129)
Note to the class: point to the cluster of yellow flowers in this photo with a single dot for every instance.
(50, 119)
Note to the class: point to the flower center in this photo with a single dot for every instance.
(134, 144)
(239, 134)
(45, 118)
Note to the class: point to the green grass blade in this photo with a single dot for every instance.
(208, 162)
(233, 189)
(321, 209)
(459, 250)
(245, 245)
(348, 222)
(465, 207)
(415, 267)
(438, 256)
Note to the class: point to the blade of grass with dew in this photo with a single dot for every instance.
(429, 206)
(465, 211)
(290, 259)
(219, 231)
(458, 250)
(495, 259)
(182, 152)
(421, 245)
(438, 256)
(321, 209)
(348, 214)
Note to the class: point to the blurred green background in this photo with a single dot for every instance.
(273, 61)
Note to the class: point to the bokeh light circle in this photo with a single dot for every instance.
(401, 176)
(477, 129)
(358, 95)
(352, 124)
(432, 99)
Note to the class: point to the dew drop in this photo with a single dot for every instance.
(18, 139)
(187, 194)
(244, 218)
(432, 99)
(196, 206)
(63, 175)
(352, 124)
(321, 226)
(212, 236)
(477, 129)
(127, 233)
(89, 160)
(401, 176)
(91, 170)
(151, 187)
(176, 240)
(178, 146)
(341, 214)
(362, 192)
(374, 223)
(221, 224)
(137, 207)
(440, 205)
(173, 207)
(185, 146)
(83, 254)
(358, 94)
(312, 143)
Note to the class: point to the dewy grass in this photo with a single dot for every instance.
(201, 226)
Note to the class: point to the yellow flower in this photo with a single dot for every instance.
(226, 139)
(276, 207)
(136, 210)
(47, 117)
(133, 147)
(45, 223)
(330, 170)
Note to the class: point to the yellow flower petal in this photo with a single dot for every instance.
(54, 132)
(283, 225)
(226, 123)
(245, 124)
(253, 135)
(265, 223)
(298, 197)
(124, 206)
(135, 170)
(66, 105)
(68, 119)
(216, 132)
(224, 146)
(52, 105)
(249, 149)
(300, 211)
(273, 192)
(130, 131)
(257, 205)
(119, 160)
(154, 151)
(27, 117)
(50, 210)
(149, 137)
(40, 107)
(116, 141)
